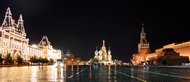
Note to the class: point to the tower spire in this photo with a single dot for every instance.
(96, 51)
(109, 51)
(142, 28)
(8, 19)
(103, 45)
(21, 24)
(142, 35)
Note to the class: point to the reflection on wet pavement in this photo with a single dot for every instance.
(90, 74)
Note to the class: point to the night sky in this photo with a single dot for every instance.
(81, 25)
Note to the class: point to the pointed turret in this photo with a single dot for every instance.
(142, 35)
(142, 28)
(96, 51)
(21, 24)
(8, 19)
(109, 55)
(103, 46)
(109, 51)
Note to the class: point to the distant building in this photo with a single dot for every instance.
(104, 57)
(71, 59)
(13, 41)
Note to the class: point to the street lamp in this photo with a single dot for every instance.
(72, 64)
(77, 64)
(72, 61)
(65, 61)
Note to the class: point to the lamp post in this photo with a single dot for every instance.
(72, 64)
(115, 64)
(65, 66)
(72, 61)
(77, 65)
(65, 61)
(82, 64)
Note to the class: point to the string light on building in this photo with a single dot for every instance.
(14, 41)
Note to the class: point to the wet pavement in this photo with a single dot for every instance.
(89, 74)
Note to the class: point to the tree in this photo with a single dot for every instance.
(33, 59)
(45, 60)
(8, 59)
(39, 59)
(19, 60)
(92, 60)
(51, 61)
(1, 59)
(117, 62)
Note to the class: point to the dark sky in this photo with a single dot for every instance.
(81, 25)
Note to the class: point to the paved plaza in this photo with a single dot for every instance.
(85, 73)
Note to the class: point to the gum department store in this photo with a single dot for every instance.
(13, 41)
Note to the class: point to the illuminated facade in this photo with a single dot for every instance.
(48, 50)
(103, 56)
(143, 48)
(13, 41)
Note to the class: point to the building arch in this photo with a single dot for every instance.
(16, 54)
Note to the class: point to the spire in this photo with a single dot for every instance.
(8, 19)
(142, 34)
(96, 51)
(109, 51)
(96, 48)
(21, 24)
(103, 45)
(142, 28)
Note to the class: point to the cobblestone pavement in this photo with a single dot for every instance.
(91, 74)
